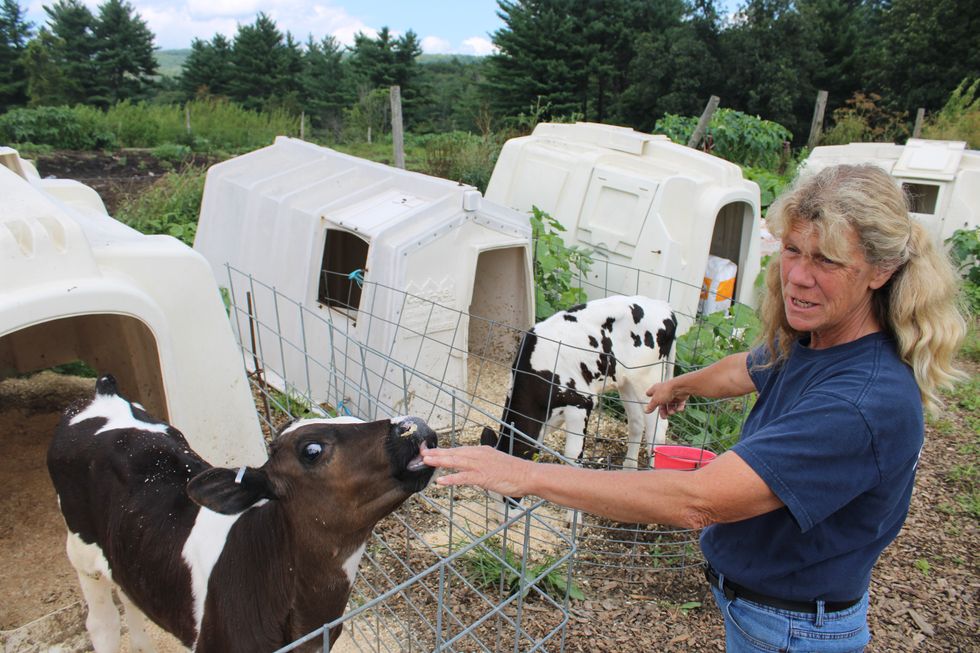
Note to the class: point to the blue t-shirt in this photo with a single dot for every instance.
(835, 434)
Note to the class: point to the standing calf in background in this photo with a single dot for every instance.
(567, 360)
(241, 560)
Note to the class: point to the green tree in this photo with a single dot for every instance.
(540, 59)
(675, 63)
(14, 34)
(769, 63)
(45, 79)
(71, 49)
(326, 83)
(841, 34)
(385, 61)
(207, 69)
(924, 50)
(124, 52)
(255, 59)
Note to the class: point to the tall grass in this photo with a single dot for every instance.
(214, 124)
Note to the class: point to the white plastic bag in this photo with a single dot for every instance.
(719, 285)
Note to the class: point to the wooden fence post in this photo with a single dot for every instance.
(302, 125)
(702, 127)
(397, 134)
(187, 118)
(816, 125)
(920, 116)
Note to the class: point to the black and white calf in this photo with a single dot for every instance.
(567, 360)
(226, 559)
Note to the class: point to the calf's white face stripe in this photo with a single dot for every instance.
(201, 551)
(118, 414)
(344, 419)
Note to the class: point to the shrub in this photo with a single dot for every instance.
(735, 136)
(555, 266)
(959, 119)
(862, 119)
(171, 206)
(79, 128)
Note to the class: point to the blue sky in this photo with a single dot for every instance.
(443, 26)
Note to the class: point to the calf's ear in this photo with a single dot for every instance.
(488, 437)
(227, 491)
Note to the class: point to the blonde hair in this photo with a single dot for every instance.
(918, 305)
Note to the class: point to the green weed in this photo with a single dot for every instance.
(495, 565)
(171, 206)
(556, 266)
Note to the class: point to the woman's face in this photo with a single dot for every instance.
(829, 299)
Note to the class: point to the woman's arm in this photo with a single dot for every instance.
(726, 490)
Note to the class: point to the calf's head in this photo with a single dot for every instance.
(338, 472)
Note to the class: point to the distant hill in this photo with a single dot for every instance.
(169, 62)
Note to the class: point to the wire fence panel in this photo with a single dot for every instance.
(456, 569)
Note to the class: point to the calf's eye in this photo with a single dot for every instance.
(312, 451)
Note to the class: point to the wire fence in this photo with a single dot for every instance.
(455, 569)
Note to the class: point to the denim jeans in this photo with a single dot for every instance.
(751, 627)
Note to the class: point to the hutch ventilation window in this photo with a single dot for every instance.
(924, 197)
(344, 262)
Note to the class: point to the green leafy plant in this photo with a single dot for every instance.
(734, 136)
(959, 119)
(556, 266)
(171, 206)
(964, 249)
(715, 424)
(922, 565)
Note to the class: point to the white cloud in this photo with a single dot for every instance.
(205, 9)
(478, 45)
(435, 45)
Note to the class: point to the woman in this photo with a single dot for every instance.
(860, 327)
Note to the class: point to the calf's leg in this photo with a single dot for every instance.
(94, 578)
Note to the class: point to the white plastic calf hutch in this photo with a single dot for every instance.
(640, 202)
(78, 285)
(942, 177)
(394, 265)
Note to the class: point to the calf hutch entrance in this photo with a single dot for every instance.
(79, 286)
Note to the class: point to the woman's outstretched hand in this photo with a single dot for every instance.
(483, 466)
(666, 398)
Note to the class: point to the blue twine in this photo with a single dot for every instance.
(341, 406)
(357, 276)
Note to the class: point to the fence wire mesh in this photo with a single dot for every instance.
(452, 570)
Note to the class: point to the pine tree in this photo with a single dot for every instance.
(326, 83)
(541, 59)
(72, 50)
(45, 79)
(14, 34)
(124, 56)
(255, 62)
(207, 69)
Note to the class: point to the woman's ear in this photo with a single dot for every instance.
(880, 277)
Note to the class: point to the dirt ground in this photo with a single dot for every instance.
(923, 593)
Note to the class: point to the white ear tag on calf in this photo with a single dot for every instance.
(240, 474)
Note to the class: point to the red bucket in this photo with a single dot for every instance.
(671, 456)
